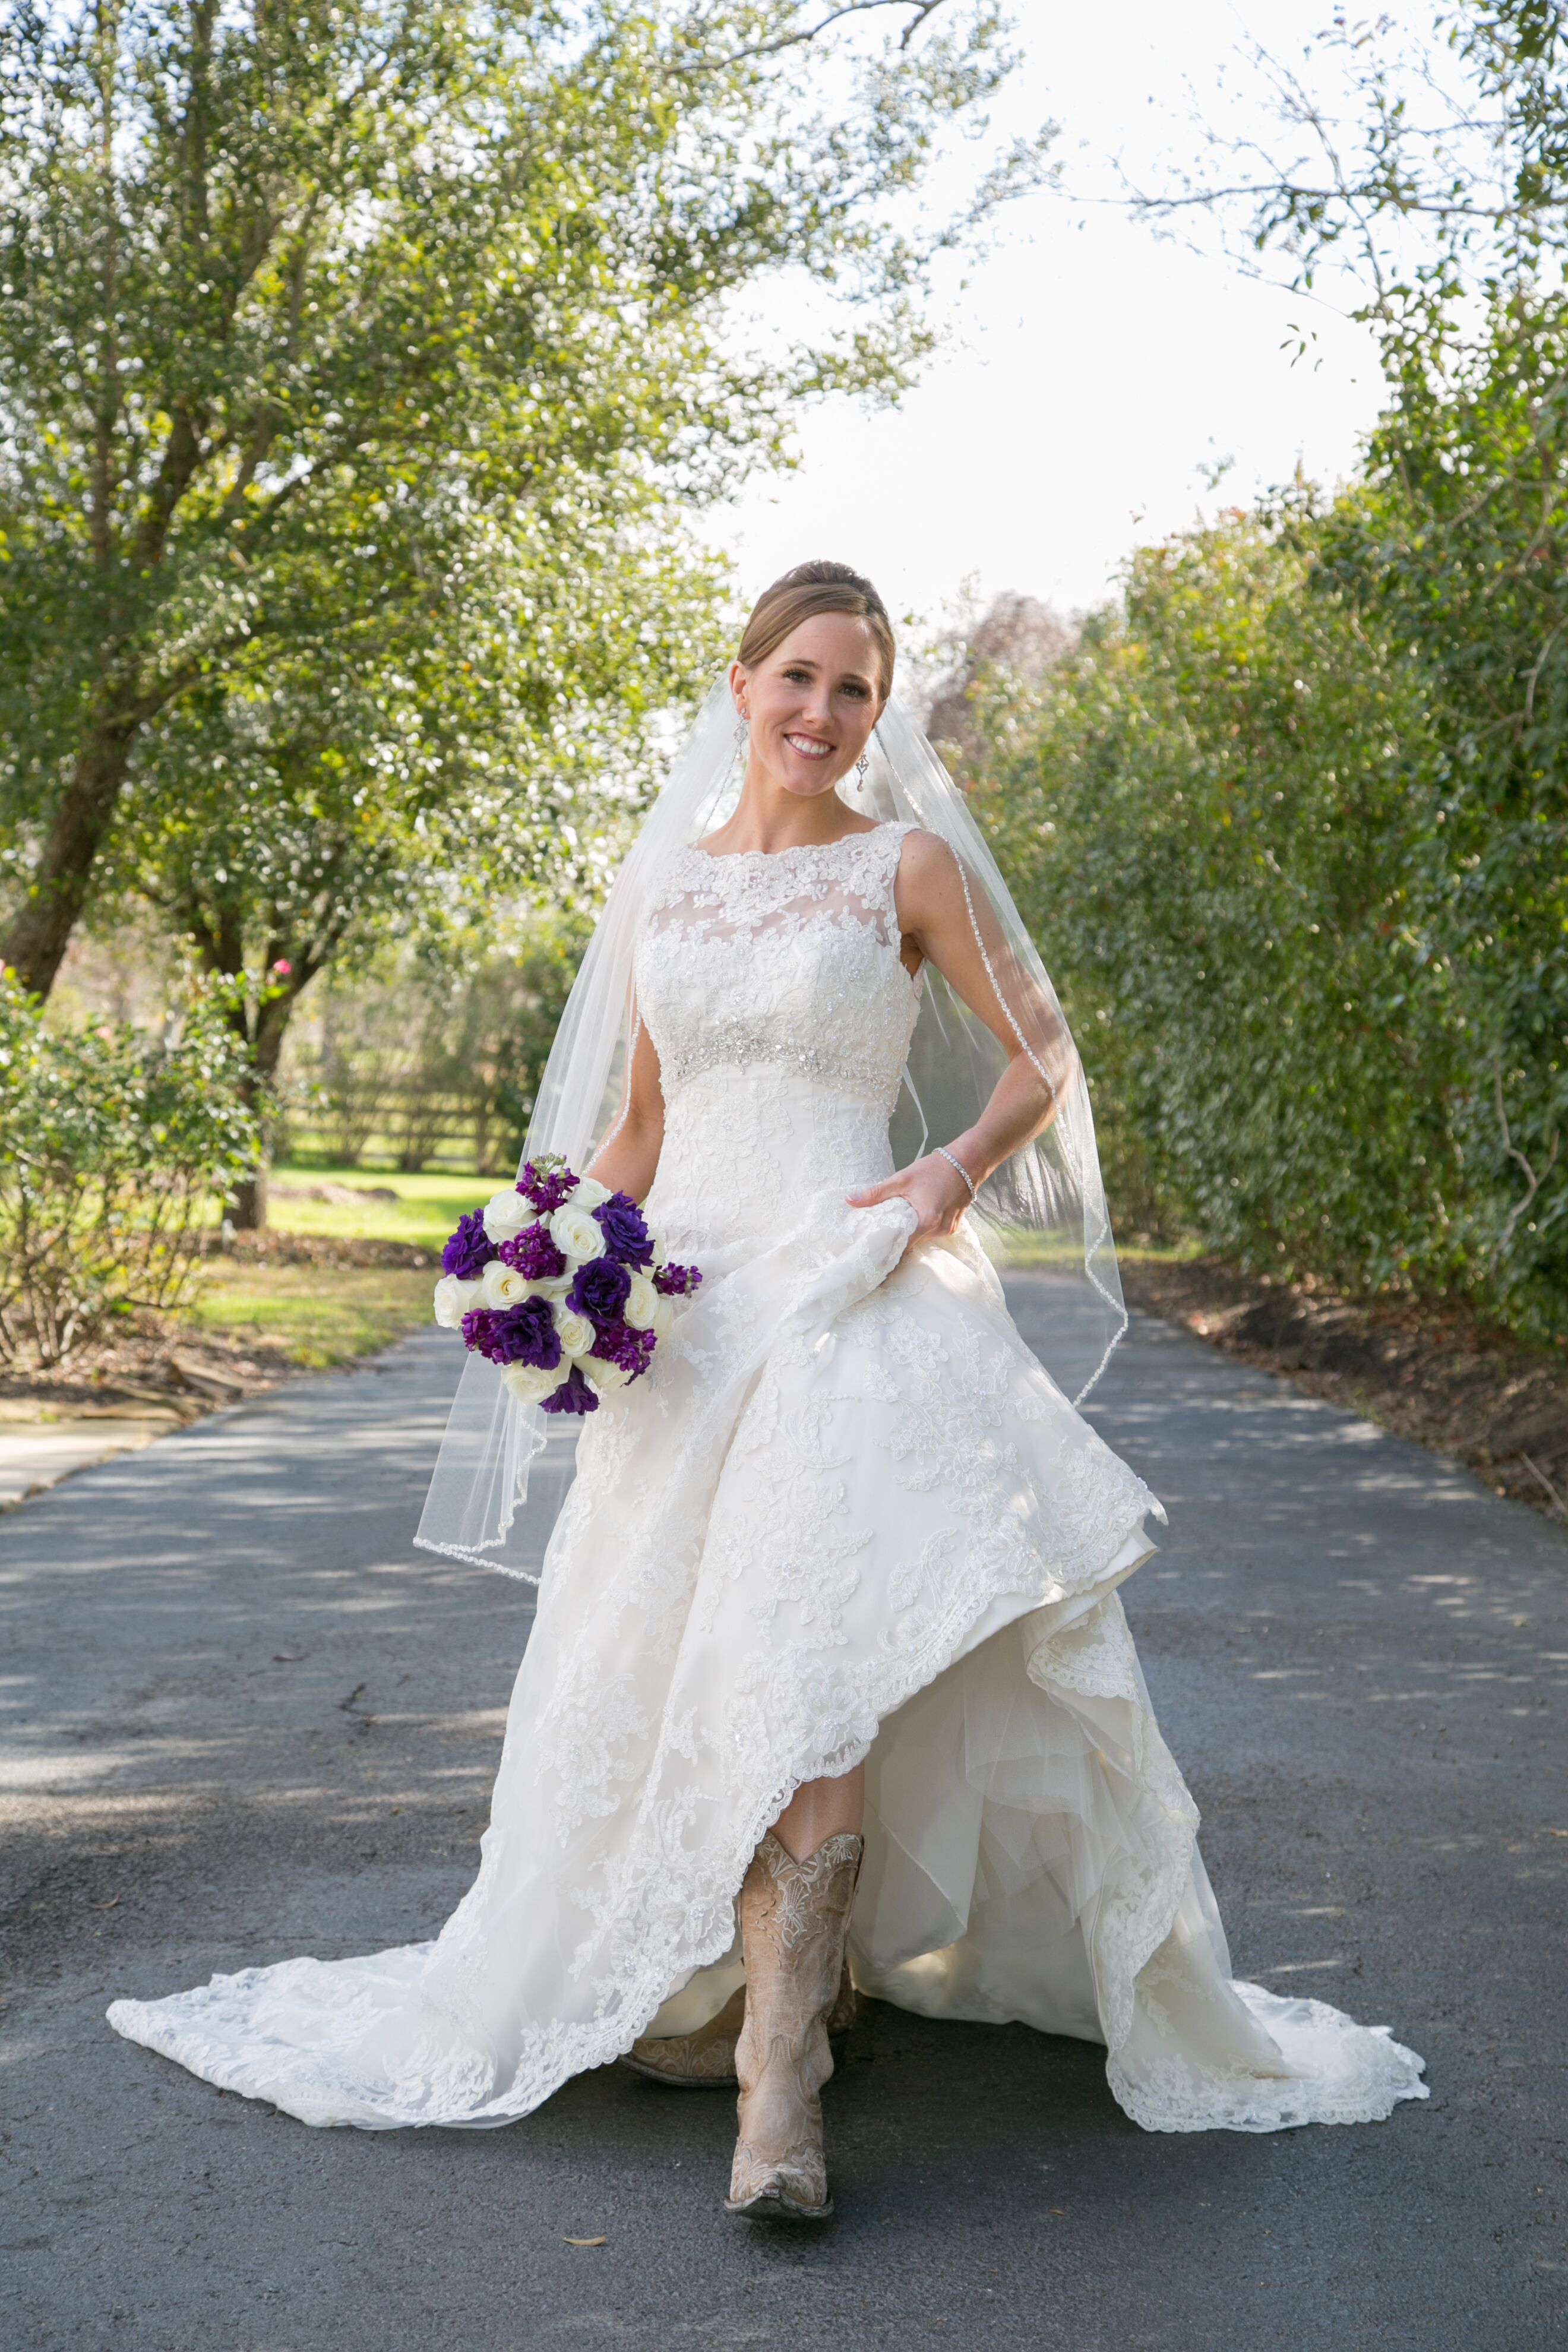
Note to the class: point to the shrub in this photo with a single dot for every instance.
(113, 1145)
(1214, 814)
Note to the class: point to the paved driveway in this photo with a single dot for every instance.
(245, 1718)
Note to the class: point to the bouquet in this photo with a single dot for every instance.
(560, 1284)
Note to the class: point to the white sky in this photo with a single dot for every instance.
(1091, 368)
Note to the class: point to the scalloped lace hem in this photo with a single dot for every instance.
(1311, 2064)
(1343, 2073)
(213, 2030)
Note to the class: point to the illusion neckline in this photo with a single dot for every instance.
(796, 849)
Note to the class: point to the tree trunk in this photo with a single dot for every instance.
(249, 1214)
(41, 932)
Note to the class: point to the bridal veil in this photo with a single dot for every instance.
(498, 1483)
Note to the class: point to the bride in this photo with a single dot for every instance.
(829, 1687)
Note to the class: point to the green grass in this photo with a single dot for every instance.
(319, 1315)
(425, 1209)
(316, 1316)
(1012, 1246)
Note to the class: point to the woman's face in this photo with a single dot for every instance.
(813, 703)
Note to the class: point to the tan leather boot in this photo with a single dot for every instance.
(794, 1918)
(705, 2060)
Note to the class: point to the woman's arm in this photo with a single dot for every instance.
(934, 920)
(628, 1160)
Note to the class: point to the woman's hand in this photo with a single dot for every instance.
(934, 1189)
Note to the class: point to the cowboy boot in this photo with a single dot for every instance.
(705, 2060)
(794, 1918)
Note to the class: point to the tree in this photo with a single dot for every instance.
(1438, 178)
(317, 323)
(286, 827)
(1016, 635)
(1211, 813)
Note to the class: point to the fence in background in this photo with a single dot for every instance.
(411, 1126)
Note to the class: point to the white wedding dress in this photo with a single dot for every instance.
(846, 1516)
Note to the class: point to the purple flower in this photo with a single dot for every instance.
(573, 1395)
(625, 1236)
(470, 1249)
(533, 1254)
(675, 1281)
(617, 1343)
(546, 1187)
(478, 1329)
(515, 1335)
(599, 1289)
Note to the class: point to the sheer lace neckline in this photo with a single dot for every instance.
(797, 849)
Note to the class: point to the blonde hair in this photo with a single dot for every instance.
(810, 589)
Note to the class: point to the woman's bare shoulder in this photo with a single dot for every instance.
(926, 863)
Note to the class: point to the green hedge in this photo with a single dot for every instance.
(1218, 815)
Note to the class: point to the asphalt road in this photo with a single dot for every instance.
(245, 1718)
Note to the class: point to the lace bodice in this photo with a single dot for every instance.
(787, 960)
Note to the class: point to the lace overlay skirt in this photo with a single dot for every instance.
(847, 1516)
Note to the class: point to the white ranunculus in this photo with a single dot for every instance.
(454, 1299)
(506, 1213)
(502, 1286)
(588, 1194)
(602, 1377)
(574, 1331)
(572, 1229)
(529, 1385)
(641, 1309)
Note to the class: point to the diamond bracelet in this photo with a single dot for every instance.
(943, 1153)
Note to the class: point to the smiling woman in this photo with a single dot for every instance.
(829, 1684)
(814, 667)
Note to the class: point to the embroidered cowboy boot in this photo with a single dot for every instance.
(794, 1918)
(705, 2060)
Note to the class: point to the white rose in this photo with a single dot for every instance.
(506, 1213)
(572, 1229)
(574, 1331)
(529, 1385)
(588, 1194)
(663, 1317)
(555, 1289)
(454, 1299)
(661, 1255)
(641, 1309)
(602, 1376)
(502, 1286)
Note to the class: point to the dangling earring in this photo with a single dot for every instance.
(861, 764)
(742, 728)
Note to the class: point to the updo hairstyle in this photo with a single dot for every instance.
(810, 589)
